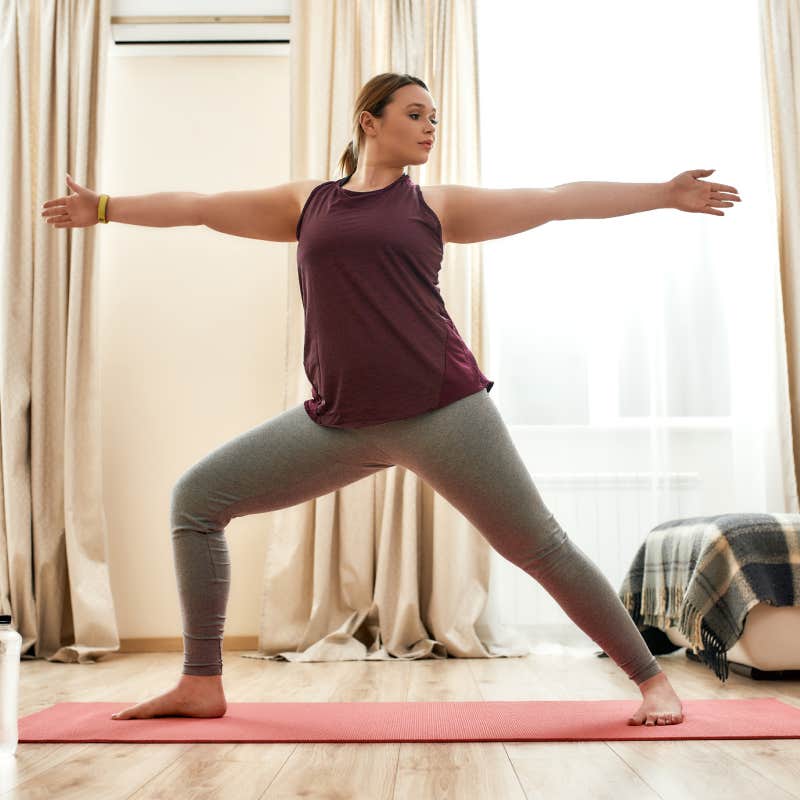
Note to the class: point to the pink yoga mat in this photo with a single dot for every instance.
(491, 721)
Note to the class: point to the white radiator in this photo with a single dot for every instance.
(608, 515)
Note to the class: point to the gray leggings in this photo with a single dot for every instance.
(463, 451)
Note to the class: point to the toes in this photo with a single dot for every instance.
(663, 719)
(654, 718)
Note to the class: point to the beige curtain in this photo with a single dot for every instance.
(780, 24)
(383, 568)
(54, 576)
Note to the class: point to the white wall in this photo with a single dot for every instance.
(192, 321)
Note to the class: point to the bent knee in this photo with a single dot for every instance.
(190, 506)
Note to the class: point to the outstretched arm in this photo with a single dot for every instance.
(474, 214)
(588, 200)
(159, 210)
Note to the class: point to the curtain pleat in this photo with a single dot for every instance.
(54, 576)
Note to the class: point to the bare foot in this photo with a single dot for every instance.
(194, 696)
(661, 706)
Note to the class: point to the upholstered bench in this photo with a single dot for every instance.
(768, 647)
(723, 587)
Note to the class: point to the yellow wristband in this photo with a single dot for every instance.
(101, 208)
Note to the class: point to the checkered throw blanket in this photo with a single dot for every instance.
(704, 574)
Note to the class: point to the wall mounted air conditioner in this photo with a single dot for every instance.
(178, 27)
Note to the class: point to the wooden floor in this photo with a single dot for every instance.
(730, 769)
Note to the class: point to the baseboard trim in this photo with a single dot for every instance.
(174, 644)
(564, 634)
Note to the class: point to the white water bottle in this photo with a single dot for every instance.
(10, 648)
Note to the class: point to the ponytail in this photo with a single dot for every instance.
(349, 159)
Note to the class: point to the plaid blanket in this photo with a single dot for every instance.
(704, 574)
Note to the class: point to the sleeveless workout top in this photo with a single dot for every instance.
(379, 344)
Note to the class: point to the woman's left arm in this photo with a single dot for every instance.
(474, 214)
(685, 192)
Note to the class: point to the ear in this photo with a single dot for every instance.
(367, 121)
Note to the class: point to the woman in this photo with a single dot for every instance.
(392, 381)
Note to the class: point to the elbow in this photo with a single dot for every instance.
(200, 208)
(554, 206)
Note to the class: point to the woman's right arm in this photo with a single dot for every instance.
(160, 210)
(270, 214)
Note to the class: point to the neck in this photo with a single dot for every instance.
(367, 178)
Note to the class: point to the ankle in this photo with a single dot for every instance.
(200, 681)
(656, 682)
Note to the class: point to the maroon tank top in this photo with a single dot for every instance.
(379, 343)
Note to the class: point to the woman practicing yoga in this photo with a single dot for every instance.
(393, 383)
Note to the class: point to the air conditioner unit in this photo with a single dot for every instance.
(168, 33)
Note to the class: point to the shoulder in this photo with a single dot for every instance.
(304, 187)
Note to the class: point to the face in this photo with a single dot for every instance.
(396, 137)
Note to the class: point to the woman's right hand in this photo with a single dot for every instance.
(77, 210)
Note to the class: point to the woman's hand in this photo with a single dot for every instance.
(77, 210)
(690, 194)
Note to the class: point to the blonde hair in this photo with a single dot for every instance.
(374, 95)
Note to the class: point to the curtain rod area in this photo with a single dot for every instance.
(274, 19)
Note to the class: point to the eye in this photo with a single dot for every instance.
(434, 121)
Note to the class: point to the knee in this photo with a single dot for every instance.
(183, 492)
(555, 541)
(189, 504)
(547, 546)
(551, 536)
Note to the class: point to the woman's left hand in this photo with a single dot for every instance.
(687, 193)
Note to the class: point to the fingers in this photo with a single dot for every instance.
(61, 221)
(55, 213)
(721, 187)
(724, 193)
(55, 220)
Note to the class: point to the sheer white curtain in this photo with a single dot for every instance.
(639, 360)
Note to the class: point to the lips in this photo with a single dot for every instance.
(427, 144)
